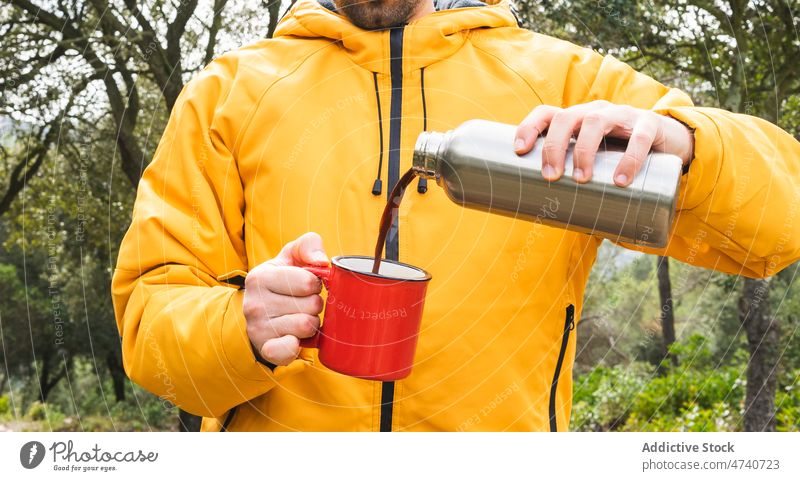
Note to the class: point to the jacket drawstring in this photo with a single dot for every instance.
(377, 187)
(422, 184)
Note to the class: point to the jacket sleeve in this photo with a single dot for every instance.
(738, 203)
(182, 327)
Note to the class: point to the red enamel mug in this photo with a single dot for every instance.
(371, 321)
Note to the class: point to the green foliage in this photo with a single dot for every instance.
(83, 105)
(697, 395)
(621, 310)
(49, 414)
(86, 405)
(37, 411)
(788, 403)
(714, 50)
(719, 417)
(603, 397)
(790, 114)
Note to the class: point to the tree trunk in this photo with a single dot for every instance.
(667, 313)
(188, 422)
(762, 340)
(172, 89)
(274, 11)
(117, 375)
(44, 374)
(46, 382)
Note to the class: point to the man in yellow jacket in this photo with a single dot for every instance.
(308, 131)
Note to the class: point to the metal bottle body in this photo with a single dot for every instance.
(477, 167)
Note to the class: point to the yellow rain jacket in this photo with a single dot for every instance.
(288, 135)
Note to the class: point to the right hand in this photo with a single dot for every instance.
(282, 302)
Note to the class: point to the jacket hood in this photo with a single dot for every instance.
(427, 40)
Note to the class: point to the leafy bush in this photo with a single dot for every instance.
(37, 411)
(89, 406)
(787, 402)
(49, 414)
(604, 396)
(697, 395)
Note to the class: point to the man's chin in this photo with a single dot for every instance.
(377, 14)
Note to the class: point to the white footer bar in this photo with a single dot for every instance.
(401, 456)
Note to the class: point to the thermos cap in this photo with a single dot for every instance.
(426, 154)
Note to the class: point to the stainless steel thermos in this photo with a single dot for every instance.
(477, 167)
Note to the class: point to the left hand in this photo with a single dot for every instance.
(645, 130)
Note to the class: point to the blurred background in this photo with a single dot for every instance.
(87, 87)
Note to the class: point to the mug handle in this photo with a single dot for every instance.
(324, 274)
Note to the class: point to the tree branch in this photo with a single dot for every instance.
(41, 15)
(29, 166)
(216, 21)
(274, 9)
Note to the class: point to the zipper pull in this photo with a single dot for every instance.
(422, 185)
(377, 187)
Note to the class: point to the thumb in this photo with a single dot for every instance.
(307, 249)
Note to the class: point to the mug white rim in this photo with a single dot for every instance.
(426, 276)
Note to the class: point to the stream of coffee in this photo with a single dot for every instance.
(389, 214)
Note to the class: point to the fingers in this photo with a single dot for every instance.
(281, 301)
(279, 337)
(554, 149)
(275, 305)
(298, 325)
(532, 126)
(286, 280)
(560, 125)
(305, 250)
(644, 133)
(592, 122)
(280, 351)
(261, 306)
(594, 127)
(308, 250)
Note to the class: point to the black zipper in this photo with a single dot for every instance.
(392, 244)
(569, 325)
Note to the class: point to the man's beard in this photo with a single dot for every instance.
(377, 14)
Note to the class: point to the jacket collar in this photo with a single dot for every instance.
(427, 40)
